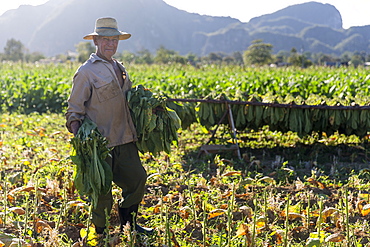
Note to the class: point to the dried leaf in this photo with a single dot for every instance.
(17, 210)
(153, 175)
(321, 185)
(337, 237)
(316, 183)
(25, 189)
(267, 179)
(228, 174)
(244, 196)
(246, 211)
(40, 225)
(54, 134)
(312, 181)
(213, 181)
(365, 210)
(41, 133)
(230, 162)
(315, 213)
(338, 223)
(261, 224)
(243, 230)
(31, 133)
(77, 204)
(327, 212)
(10, 198)
(360, 204)
(227, 194)
(167, 198)
(216, 212)
(77, 244)
(336, 219)
(157, 209)
(184, 212)
(293, 216)
(279, 236)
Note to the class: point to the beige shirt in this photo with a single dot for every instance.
(97, 94)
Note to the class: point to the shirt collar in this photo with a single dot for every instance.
(94, 58)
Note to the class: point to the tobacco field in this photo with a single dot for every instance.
(301, 178)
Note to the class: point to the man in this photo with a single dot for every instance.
(99, 93)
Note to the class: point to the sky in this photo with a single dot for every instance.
(354, 12)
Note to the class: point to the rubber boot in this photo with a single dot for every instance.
(99, 230)
(133, 212)
(129, 215)
(124, 217)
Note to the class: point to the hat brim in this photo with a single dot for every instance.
(108, 33)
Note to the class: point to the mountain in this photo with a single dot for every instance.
(58, 25)
(311, 13)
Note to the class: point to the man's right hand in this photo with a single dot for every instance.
(75, 125)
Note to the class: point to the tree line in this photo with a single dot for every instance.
(258, 53)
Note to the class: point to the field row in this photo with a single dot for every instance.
(45, 88)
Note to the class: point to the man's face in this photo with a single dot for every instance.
(106, 46)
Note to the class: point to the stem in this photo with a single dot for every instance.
(265, 202)
(230, 210)
(5, 198)
(62, 210)
(319, 219)
(192, 206)
(26, 215)
(286, 222)
(347, 214)
(254, 222)
(308, 211)
(36, 202)
(204, 224)
(86, 240)
(168, 231)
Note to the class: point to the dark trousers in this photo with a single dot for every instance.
(129, 175)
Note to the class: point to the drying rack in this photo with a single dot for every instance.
(207, 148)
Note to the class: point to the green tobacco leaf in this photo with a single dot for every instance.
(92, 175)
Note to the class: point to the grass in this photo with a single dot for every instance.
(285, 191)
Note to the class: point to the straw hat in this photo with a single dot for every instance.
(107, 26)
